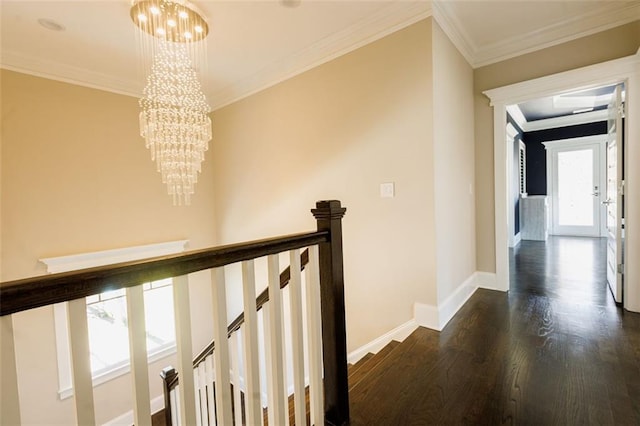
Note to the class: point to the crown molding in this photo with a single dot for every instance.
(454, 29)
(388, 20)
(609, 15)
(51, 70)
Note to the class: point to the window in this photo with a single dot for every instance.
(108, 325)
(106, 314)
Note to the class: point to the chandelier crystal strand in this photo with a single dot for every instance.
(175, 114)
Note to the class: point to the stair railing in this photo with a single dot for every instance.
(203, 371)
(325, 291)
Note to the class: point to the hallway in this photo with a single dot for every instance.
(555, 350)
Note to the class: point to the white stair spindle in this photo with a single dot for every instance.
(197, 386)
(138, 355)
(297, 342)
(314, 332)
(81, 362)
(251, 365)
(10, 403)
(221, 352)
(278, 409)
(187, 400)
(210, 379)
(236, 350)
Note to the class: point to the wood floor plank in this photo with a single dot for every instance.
(555, 350)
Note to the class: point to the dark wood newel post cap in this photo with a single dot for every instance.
(328, 209)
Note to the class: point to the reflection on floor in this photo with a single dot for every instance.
(555, 350)
(569, 268)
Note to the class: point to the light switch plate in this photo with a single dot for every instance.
(387, 190)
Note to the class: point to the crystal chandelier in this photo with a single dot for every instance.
(175, 115)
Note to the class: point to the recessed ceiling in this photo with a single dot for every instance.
(255, 44)
(567, 104)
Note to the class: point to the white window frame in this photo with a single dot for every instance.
(90, 260)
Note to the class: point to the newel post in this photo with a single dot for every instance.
(334, 340)
(168, 375)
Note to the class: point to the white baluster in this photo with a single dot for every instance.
(278, 410)
(197, 386)
(138, 355)
(297, 342)
(314, 333)
(221, 352)
(175, 406)
(251, 364)
(10, 403)
(187, 400)
(236, 350)
(210, 379)
(81, 362)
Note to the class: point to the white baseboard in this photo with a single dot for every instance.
(486, 280)
(399, 333)
(437, 317)
(126, 419)
(452, 304)
(517, 239)
(426, 316)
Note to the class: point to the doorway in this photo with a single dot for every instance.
(576, 185)
(622, 70)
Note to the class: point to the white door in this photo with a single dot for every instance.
(614, 196)
(576, 189)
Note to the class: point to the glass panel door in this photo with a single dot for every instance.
(575, 188)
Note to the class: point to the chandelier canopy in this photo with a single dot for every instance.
(174, 120)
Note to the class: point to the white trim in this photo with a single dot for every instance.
(390, 19)
(452, 304)
(606, 17)
(38, 67)
(426, 315)
(486, 280)
(517, 238)
(516, 113)
(437, 317)
(60, 315)
(578, 26)
(589, 77)
(126, 419)
(512, 132)
(452, 27)
(75, 262)
(67, 391)
(623, 70)
(574, 142)
(555, 146)
(566, 120)
(399, 333)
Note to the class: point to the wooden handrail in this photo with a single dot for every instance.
(29, 293)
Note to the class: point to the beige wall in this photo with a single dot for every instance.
(76, 177)
(454, 166)
(615, 43)
(337, 132)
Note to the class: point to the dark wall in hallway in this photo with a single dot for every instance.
(537, 156)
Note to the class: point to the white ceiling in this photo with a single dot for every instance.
(255, 44)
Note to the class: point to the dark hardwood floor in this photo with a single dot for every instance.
(555, 350)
